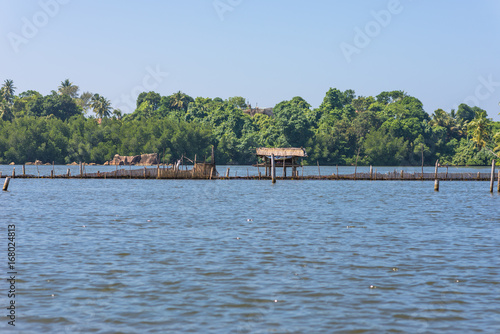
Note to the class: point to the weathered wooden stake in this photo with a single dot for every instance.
(402, 175)
(68, 173)
(319, 171)
(259, 175)
(227, 173)
(492, 179)
(273, 169)
(144, 172)
(436, 185)
(211, 170)
(14, 172)
(498, 181)
(371, 172)
(52, 174)
(24, 169)
(436, 170)
(6, 184)
(81, 169)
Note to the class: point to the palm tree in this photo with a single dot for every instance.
(480, 129)
(84, 101)
(101, 106)
(67, 88)
(497, 142)
(7, 91)
(5, 111)
(117, 113)
(180, 100)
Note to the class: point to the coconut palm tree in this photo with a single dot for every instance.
(101, 106)
(67, 88)
(480, 129)
(7, 91)
(84, 101)
(180, 100)
(5, 111)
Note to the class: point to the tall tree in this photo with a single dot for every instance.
(101, 106)
(7, 91)
(480, 129)
(69, 89)
(180, 100)
(84, 101)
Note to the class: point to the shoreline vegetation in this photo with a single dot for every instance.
(390, 129)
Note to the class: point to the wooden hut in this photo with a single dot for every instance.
(283, 158)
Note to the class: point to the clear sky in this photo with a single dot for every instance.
(442, 52)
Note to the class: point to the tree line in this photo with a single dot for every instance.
(391, 128)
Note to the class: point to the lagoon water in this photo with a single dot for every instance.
(194, 256)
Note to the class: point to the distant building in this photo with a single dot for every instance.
(253, 111)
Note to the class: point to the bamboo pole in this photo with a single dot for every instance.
(6, 184)
(492, 178)
(273, 169)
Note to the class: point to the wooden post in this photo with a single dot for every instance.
(14, 172)
(498, 181)
(337, 171)
(402, 174)
(24, 169)
(6, 184)
(211, 170)
(259, 175)
(213, 159)
(436, 170)
(284, 168)
(68, 173)
(273, 169)
(158, 171)
(52, 174)
(492, 179)
(436, 185)
(227, 173)
(371, 172)
(81, 169)
(247, 173)
(422, 146)
(375, 174)
(319, 171)
(144, 171)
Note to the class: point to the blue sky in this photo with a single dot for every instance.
(442, 52)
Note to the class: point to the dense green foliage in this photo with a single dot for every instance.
(389, 129)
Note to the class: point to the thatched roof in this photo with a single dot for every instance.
(282, 152)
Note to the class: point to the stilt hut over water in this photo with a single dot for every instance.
(283, 158)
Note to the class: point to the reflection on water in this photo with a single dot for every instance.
(167, 256)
